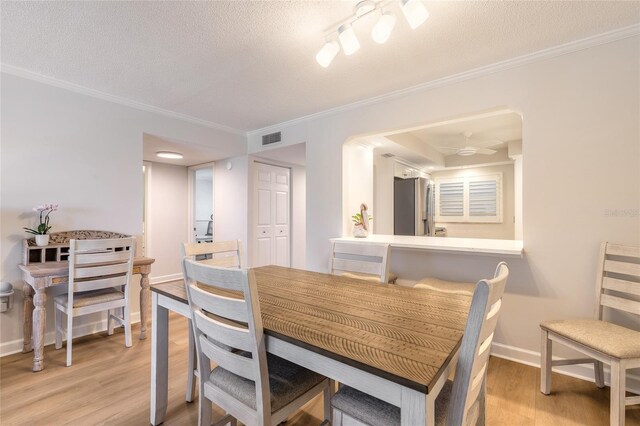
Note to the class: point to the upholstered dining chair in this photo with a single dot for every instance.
(618, 288)
(251, 386)
(99, 277)
(368, 261)
(461, 401)
(225, 254)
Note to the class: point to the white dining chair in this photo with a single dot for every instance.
(618, 288)
(368, 261)
(461, 401)
(251, 386)
(99, 277)
(225, 254)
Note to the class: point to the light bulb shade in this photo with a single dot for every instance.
(348, 39)
(414, 11)
(382, 30)
(327, 53)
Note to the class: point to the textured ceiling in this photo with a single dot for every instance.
(250, 64)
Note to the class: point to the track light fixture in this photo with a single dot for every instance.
(414, 12)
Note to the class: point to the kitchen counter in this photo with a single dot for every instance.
(447, 244)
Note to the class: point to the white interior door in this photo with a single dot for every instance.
(271, 222)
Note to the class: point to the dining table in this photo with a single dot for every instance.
(394, 343)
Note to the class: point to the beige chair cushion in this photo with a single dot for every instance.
(370, 277)
(605, 337)
(454, 287)
(90, 297)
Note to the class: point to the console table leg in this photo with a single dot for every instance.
(27, 325)
(39, 316)
(145, 295)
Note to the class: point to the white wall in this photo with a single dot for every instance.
(167, 226)
(581, 176)
(500, 231)
(357, 169)
(383, 177)
(231, 198)
(298, 217)
(83, 153)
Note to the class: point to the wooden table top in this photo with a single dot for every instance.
(402, 334)
(45, 269)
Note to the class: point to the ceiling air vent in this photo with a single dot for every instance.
(271, 138)
(388, 155)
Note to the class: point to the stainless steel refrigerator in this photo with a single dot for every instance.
(413, 207)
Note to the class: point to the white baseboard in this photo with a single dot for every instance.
(165, 278)
(579, 371)
(15, 346)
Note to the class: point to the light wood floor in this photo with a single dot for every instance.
(108, 384)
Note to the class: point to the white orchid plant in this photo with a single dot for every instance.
(43, 227)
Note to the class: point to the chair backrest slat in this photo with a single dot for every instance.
(618, 279)
(623, 268)
(230, 334)
(622, 250)
(100, 283)
(225, 254)
(101, 271)
(476, 346)
(225, 307)
(233, 362)
(370, 258)
(101, 257)
(224, 278)
(620, 303)
(622, 286)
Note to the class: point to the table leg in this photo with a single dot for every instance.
(27, 325)
(145, 291)
(413, 409)
(39, 317)
(159, 360)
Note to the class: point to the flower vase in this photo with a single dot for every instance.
(359, 231)
(42, 240)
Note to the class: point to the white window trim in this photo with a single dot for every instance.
(466, 218)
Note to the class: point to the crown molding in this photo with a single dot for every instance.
(51, 81)
(552, 52)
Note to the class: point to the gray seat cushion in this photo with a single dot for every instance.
(375, 412)
(605, 337)
(443, 286)
(287, 381)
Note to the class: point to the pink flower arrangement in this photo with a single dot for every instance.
(44, 210)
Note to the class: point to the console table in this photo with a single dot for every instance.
(48, 266)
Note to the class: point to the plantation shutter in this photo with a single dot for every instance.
(451, 199)
(483, 198)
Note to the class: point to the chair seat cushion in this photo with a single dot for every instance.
(287, 381)
(370, 277)
(605, 337)
(376, 412)
(90, 297)
(453, 287)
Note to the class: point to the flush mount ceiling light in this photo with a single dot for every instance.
(413, 10)
(169, 155)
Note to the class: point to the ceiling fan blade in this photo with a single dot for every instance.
(486, 151)
(447, 147)
(485, 143)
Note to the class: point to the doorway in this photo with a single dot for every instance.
(201, 203)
